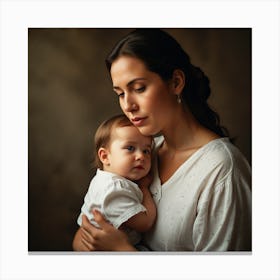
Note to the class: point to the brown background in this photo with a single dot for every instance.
(70, 93)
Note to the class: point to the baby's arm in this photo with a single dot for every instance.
(143, 221)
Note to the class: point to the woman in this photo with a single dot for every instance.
(202, 183)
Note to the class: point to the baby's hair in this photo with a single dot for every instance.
(102, 136)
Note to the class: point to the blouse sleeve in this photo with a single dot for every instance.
(122, 202)
(223, 221)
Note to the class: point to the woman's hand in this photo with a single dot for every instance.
(77, 244)
(145, 182)
(105, 238)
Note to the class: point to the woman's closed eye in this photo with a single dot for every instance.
(120, 94)
(140, 89)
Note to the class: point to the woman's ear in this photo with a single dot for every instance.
(103, 156)
(178, 81)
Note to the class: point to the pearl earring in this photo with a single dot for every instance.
(179, 100)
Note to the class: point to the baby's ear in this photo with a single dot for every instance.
(103, 156)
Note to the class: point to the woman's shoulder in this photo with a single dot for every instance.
(221, 153)
(224, 150)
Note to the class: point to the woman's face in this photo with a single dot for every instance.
(144, 97)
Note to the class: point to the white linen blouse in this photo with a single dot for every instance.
(206, 204)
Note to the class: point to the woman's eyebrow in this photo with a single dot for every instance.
(130, 83)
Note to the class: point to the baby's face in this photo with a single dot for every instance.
(129, 154)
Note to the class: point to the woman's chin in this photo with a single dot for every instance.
(146, 131)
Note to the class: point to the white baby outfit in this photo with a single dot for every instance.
(116, 197)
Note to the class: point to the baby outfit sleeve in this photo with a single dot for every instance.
(122, 201)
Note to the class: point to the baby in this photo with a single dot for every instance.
(119, 190)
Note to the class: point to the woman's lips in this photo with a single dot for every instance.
(138, 121)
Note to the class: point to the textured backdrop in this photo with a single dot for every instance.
(70, 93)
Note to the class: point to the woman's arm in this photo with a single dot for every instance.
(223, 222)
(105, 238)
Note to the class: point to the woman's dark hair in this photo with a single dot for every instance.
(162, 54)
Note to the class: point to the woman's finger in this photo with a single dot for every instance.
(89, 246)
(85, 220)
(98, 217)
(86, 225)
(87, 236)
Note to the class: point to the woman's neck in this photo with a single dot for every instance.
(181, 140)
(185, 132)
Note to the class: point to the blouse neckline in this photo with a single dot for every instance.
(186, 162)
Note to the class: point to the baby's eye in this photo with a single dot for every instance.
(130, 148)
(147, 152)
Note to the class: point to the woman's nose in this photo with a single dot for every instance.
(129, 104)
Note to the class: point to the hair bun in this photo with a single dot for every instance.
(199, 87)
